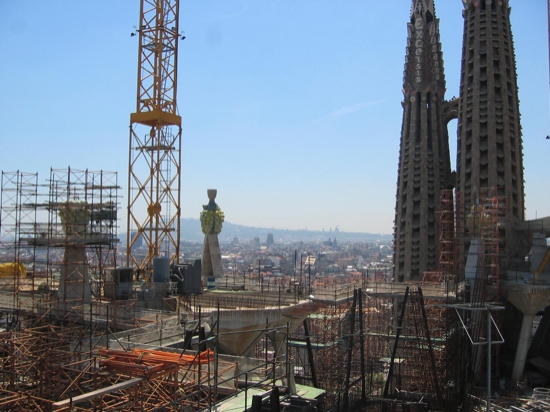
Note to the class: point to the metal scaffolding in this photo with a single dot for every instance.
(495, 208)
(62, 235)
(447, 236)
(380, 348)
(48, 368)
(17, 221)
(447, 266)
(58, 368)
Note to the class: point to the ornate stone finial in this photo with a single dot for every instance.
(422, 8)
(212, 194)
(75, 216)
(211, 216)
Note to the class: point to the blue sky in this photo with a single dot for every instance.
(290, 108)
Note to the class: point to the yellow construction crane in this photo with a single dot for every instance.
(542, 265)
(154, 182)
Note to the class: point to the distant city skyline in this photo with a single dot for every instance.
(191, 232)
(290, 109)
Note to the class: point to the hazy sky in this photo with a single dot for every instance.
(290, 108)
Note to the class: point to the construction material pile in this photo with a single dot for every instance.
(150, 363)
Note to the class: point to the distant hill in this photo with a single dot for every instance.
(191, 232)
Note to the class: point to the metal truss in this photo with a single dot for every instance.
(154, 183)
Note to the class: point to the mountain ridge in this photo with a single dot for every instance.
(191, 232)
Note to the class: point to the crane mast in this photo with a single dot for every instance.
(154, 182)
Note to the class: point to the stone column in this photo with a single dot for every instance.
(212, 219)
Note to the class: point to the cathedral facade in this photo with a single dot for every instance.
(489, 142)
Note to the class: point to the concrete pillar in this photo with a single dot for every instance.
(529, 302)
(472, 262)
(523, 346)
(74, 286)
(211, 258)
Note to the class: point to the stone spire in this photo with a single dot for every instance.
(424, 162)
(423, 58)
(489, 155)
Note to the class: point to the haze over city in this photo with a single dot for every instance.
(290, 109)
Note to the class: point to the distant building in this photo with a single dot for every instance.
(255, 242)
(330, 243)
(310, 263)
(332, 269)
(269, 242)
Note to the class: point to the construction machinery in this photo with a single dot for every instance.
(154, 182)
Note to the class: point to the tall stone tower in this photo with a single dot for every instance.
(489, 151)
(424, 161)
